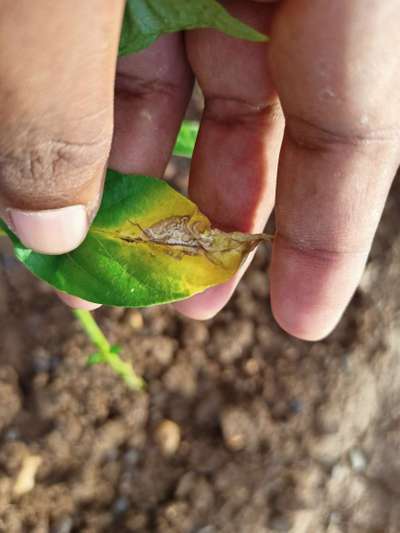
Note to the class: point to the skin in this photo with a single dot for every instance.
(308, 123)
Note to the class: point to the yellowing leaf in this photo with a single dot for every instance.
(148, 245)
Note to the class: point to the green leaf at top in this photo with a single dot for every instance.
(145, 20)
(148, 245)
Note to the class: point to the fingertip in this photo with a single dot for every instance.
(194, 309)
(77, 303)
(311, 290)
(207, 304)
(302, 324)
(52, 231)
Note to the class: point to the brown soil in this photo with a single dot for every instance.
(242, 429)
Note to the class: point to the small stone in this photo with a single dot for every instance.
(25, 481)
(168, 437)
(131, 457)
(358, 460)
(238, 429)
(252, 367)
(175, 516)
(11, 435)
(63, 525)
(296, 406)
(340, 473)
(174, 510)
(135, 319)
(121, 505)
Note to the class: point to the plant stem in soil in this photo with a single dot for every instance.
(107, 354)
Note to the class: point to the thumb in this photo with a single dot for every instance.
(56, 116)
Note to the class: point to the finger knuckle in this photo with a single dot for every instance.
(41, 165)
(230, 111)
(314, 136)
(321, 252)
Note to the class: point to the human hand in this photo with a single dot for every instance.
(57, 65)
(329, 194)
(57, 68)
(336, 71)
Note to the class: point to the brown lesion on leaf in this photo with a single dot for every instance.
(193, 235)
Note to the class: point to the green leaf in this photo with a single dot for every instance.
(115, 349)
(148, 245)
(146, 20)
(95, 359)
(186, 139)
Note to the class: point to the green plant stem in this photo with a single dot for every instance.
(92, 329)
(107, 354)
(186, 139)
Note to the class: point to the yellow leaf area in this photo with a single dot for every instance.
(148, 245)
(175, 241)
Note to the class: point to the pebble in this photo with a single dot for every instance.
(252, 367)
(12, 434)
(238, 429)
(296, 406)
(135, 320)
(358, 460)
(131, 457)
(121, 505)
(25, 481)
(168, 437)
(63, 525)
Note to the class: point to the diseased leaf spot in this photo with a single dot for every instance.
(191, 235)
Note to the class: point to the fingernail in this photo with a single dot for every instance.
(53, 231)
